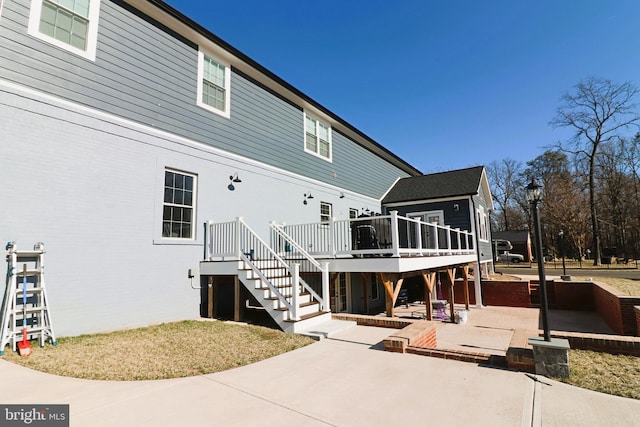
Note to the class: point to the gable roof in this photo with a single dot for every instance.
(461, 182)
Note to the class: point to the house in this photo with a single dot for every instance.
(152, 158)
(460, 199)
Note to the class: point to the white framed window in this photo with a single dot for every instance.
(353, 213)
(178, 208)
(326, 211)
(214, 84)
(317, 137)
(69, 24)
(482, 224)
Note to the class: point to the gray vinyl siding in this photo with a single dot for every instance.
(147, 75)
(484, 247)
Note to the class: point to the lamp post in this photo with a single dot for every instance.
(534, 195)
(564, 268)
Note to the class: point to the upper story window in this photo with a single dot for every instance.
(214, 78)
(317, 137)
(69, 24)
(179, 205)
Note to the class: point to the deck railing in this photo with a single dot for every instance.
(388, 235)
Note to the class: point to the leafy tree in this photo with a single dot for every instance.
(598, 110)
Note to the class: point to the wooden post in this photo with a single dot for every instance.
(429, 282)
(465, 283)
(210, 312)
(391, 292)
(236, 299)
(451, 274)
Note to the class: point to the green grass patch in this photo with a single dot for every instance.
(607, 373)
(169, 350)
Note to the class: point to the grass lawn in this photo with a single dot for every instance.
(169, 350)
(606, 373)
(626, 286)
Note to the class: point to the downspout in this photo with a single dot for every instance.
(478, 287)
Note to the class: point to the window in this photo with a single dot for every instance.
(325, 211)
(69, 24)
(317, 137)
(481, 221)
(353, 213)
(214, 79)
(178, 207)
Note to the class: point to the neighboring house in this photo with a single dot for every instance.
(520, 240)
(133, 140)
(457, 199)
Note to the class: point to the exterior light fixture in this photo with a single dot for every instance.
(233, 178)
(307, 196)
(534, 196)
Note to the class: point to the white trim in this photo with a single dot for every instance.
(374, 277)
(92, 31)
(347, 288)
(227, 87)
(329, 159)
(159, 238)
(481, 218)
(437, 212)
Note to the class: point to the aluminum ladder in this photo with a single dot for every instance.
(29, 265)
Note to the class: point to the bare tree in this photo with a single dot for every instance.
(598, 110)
(505, 179)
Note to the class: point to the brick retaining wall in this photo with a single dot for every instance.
(614, 344)
(616, 309)
(379, 321)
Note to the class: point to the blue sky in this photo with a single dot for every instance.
(444, 84)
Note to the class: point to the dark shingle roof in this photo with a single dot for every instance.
(461, 182)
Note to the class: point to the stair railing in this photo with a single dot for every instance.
(260, 257)
(292, 248)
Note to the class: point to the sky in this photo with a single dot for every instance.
(443, 84)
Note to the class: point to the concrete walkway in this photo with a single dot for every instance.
(345, 380)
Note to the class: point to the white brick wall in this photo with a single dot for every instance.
(90, 187)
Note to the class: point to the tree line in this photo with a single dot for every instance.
(591, 181)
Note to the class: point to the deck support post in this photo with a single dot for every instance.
(429, 279)
(391, 292)
(326, 304)
(477, 284)
(465, 283)
(236, 299)
(451, 274)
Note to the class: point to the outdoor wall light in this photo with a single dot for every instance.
(341, 195)
(233, 178)
(307, 196)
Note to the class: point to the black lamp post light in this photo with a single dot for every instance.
(564, 267)
(551, 355)
(534, 196)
